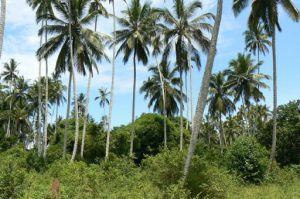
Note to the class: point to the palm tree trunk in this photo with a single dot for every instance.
(56, 118)
(273, 149)
(2, 24)
(112, 84)
(164, 103)
(46, 102)
(74, 85)
(76, 112)
(10, 107)
(67, 116)
(187, 103)
(222, 136)
(85, 115)
(181, 112)
(191, 92)
(133, 104)
(39, 133)
(204, 89)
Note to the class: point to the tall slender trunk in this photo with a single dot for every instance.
(187, 102)
(67, 116)
(222, 135)
(164, 102)
(204, 90)
(273, 149)
(56, 118)
(85, 115)
(10, 108)
(46, 101)
(76, 115)
(39, 133)
(191, 92)
(74, 85)
(181, 112)
(112, 84)
(2, 24)
(133, 104)
(87, 105)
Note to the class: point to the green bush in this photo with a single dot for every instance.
(203, 181)
(288, 134)
(248, 159)
(149, 136)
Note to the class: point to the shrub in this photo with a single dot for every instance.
(203, 180)
(248, 159)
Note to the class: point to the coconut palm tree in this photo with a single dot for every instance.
(95, 6)
(267, 12)
(257, 41)
(2, 23)
(44, 8)
(10, 75)
(204, 89)
(103, 100)
(153, 91)
(134, 38)
(186, 34)
(81, 102)
(57, 95)
(112, 89)
(244, 81)
(69, 27)
(20, 109)
(220, 102)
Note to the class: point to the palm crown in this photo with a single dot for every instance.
(153, 91)
(87, 44)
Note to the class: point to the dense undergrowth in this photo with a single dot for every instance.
(156, 177)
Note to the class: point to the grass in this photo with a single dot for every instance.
(290, 190)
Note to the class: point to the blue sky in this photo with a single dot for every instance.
(21, 42)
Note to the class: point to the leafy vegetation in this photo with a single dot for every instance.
(236, 151)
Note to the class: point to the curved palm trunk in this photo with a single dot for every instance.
(39, 133)
(85, 115)
(187, 103)
(46, 103)
(67, 116)
(204, 90)
(181, 113)
(133, 104)
(164, 103)
(273, 149)
(2, 24)
(112, 84)
(74, 85)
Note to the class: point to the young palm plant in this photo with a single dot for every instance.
(267, 13)
(134, 39)
(186, 33)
